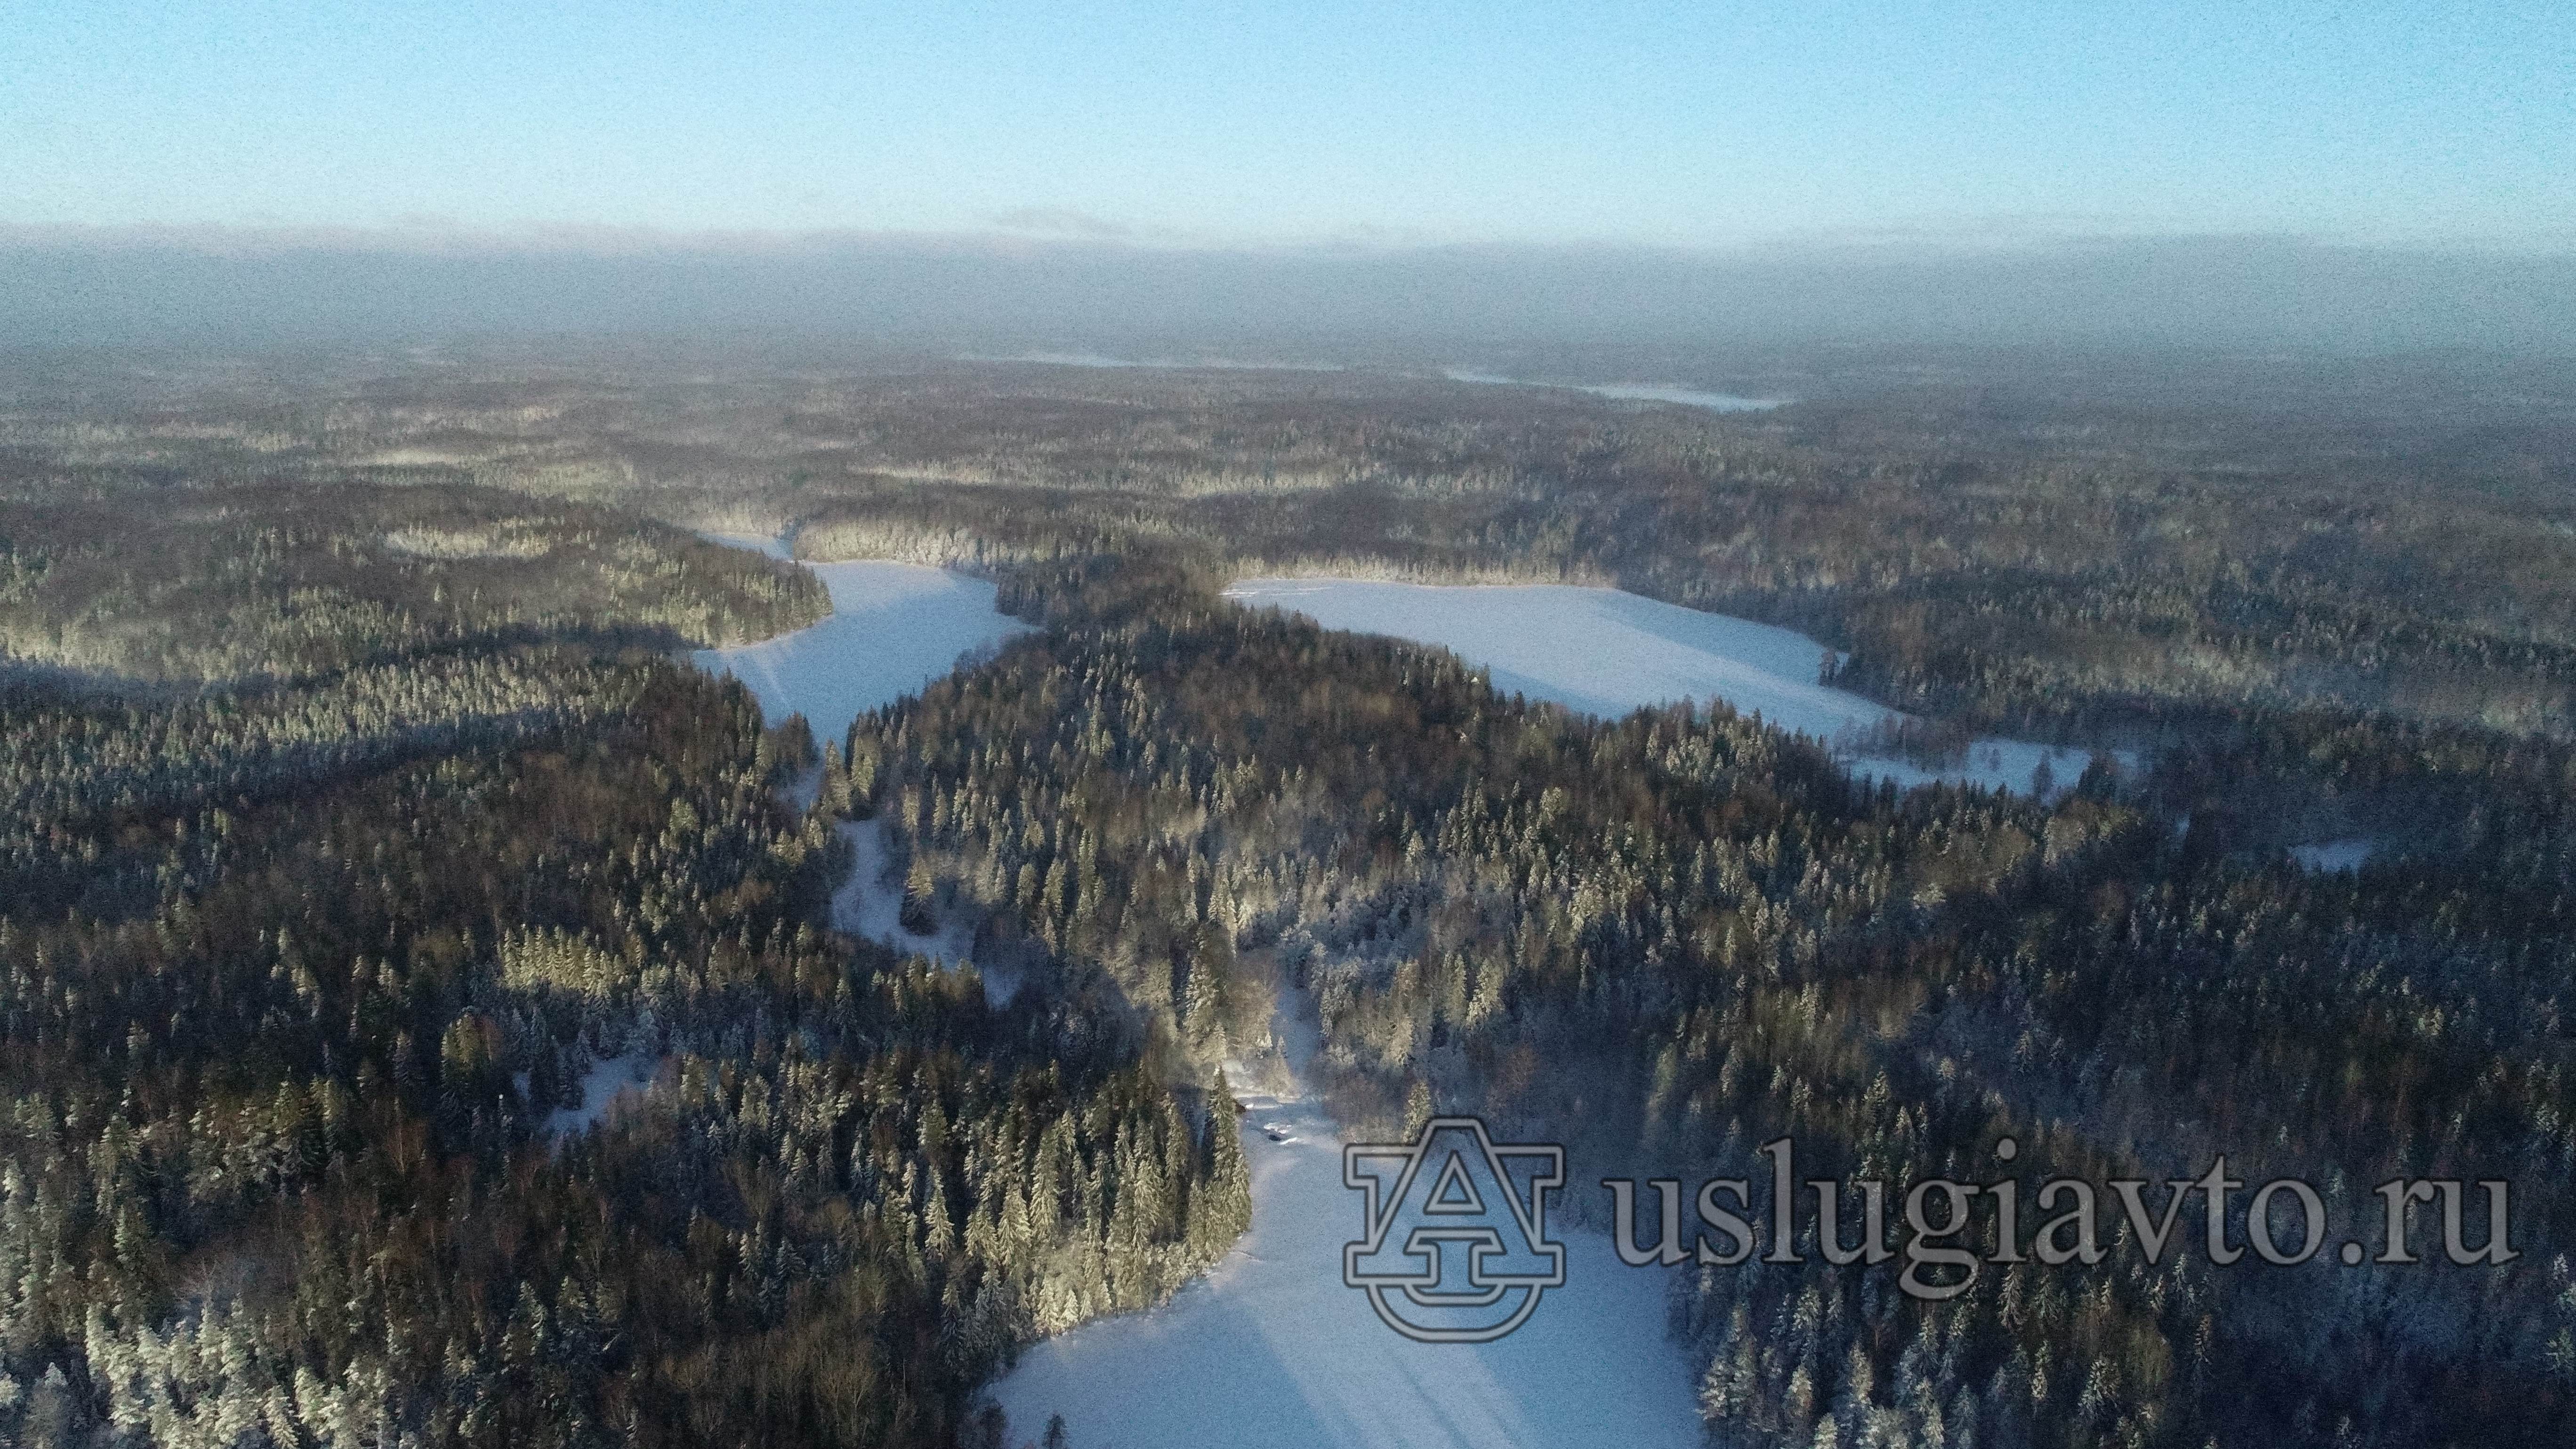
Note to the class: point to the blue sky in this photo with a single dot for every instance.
(1685, 124)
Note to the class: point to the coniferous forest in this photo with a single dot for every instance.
(362, 809)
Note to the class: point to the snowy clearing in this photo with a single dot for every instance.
(870, 902)
(894, 628)
(753, 542)
(2332, 855)
(602, 1085)
(1605, 652)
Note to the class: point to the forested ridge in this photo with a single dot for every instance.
(359, 827)
(272, 583)
(1669, 939)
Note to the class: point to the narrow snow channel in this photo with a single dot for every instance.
(894, 628)
(870, 902)
(1606, 652)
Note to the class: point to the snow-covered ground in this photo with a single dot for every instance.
(2332, 854)
(755, 542)
(870, 902)
(1605, 652)
(1271, 1350)
(603, 1084)
(894, 628)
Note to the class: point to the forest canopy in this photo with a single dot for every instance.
(362, 817)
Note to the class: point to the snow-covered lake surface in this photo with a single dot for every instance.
(1606, 652)
(894, 628)
(1724, 402)
(1271, 1350)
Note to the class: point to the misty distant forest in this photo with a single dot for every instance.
(361, 801)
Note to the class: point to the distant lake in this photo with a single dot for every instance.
(1723, 402)
(1167, 364)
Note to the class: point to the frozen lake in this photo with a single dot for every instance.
(1606, 652)
(894, 628)
(1271, 1350)
(1160, 364)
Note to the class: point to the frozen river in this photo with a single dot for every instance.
(1271, 1350)
(894, 628)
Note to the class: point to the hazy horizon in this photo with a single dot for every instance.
(81, 286)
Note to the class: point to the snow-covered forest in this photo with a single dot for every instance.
(365, 812)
